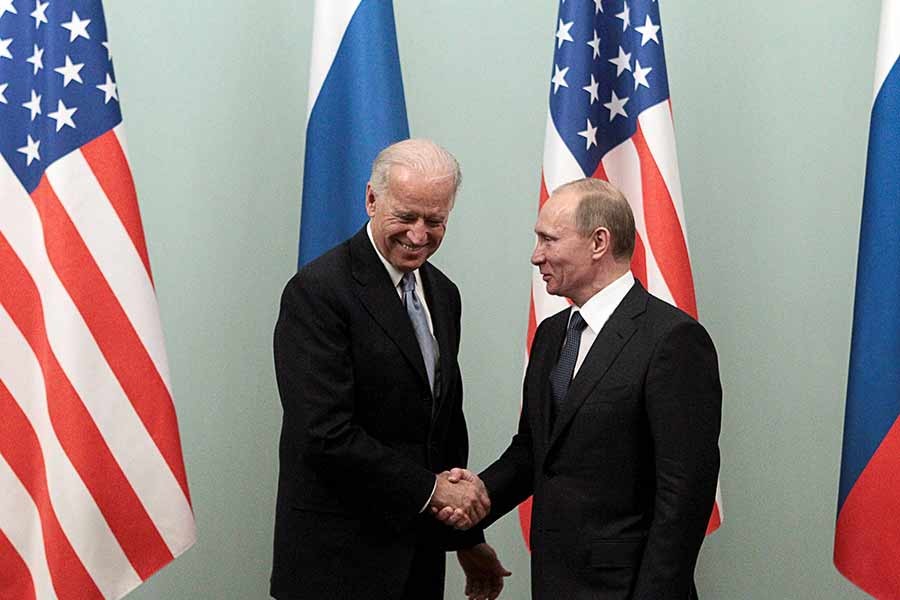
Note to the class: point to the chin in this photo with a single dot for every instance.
(416, 260)
(406, 264)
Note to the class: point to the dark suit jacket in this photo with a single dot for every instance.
(362, 435)
(625, 481)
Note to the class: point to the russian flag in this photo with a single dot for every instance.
(867, 536)
(356, 108)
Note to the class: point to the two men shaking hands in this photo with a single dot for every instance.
(460, 499)
(617, 440)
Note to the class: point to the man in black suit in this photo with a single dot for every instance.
(618, 436)
(366, 360)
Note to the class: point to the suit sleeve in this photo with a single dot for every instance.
(315, 373)
(683, 404)
(458, 440)
(510, 479)
(457, 450)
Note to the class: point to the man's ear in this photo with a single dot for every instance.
(370, 200)
(601, 241)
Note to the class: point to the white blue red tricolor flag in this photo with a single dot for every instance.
(93, 493)
(867, 536)
(610, 118)
(356, 108)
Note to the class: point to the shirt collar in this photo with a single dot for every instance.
(393, 272)
(597, 310)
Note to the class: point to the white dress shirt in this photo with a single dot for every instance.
(596, 312)
(396, 275)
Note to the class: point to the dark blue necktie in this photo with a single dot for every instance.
(561, 375)
(427, 343)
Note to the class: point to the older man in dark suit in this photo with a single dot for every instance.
(366, 360)
(618, 437)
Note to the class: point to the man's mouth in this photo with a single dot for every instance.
(410, 247)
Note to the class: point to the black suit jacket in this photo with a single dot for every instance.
(625, 480)
(362, 433)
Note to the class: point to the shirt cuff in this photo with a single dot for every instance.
(430, 496)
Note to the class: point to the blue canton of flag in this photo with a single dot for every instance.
(608, 67)
(57, 86)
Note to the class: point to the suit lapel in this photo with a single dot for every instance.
(381, 300)
(606, 347)
(439, 307)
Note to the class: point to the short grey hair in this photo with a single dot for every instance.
(601, 204)
(420, 155)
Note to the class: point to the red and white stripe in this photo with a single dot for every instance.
(95, 497)
(645, 168)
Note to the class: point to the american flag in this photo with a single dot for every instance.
(610, 118)
(94, 493)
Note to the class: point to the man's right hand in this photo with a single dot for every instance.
(460, 499)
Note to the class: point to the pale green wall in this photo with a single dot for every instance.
(771, 104)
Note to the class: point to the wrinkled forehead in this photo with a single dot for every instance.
(422, 193)
(425, 208)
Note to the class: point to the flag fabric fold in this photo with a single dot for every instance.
(610, 117)
(94, 495)
(356, 108)
(867, 533)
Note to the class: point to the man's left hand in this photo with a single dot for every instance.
(484, 573)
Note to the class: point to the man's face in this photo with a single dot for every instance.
(562, 254)
(409, 219)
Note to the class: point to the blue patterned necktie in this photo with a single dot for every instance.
(561, 375)
(427, 343)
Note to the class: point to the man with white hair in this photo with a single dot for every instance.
(366, 360)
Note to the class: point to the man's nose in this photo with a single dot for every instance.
(537, 257)
(417, 233)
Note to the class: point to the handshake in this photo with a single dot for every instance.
(460, 499)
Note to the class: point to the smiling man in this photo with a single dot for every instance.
(366, 360)
(618, 436)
